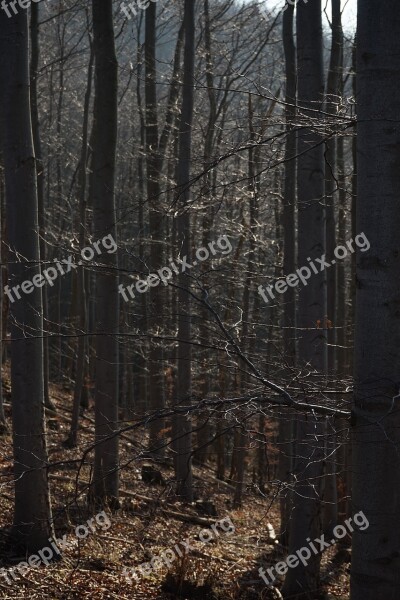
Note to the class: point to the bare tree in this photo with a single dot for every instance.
(81, 303)
(375, 570)
(34, 65)
(153, 167)
(3, 424)
(106, 474)
(184, 385)
(312, 298)
(289, 261)
(32, 513)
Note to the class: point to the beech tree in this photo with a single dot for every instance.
(184, 385)
(156, 222)
(104, 140)
(286, 432)
(305, 516)
(375, 416)
(32, 524)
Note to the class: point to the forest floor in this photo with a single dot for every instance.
(150, 521)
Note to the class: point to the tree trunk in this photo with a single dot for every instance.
(302, 580)
(203, 420)
(353, 224)
(106, 474)
(32, 513)
(34, 28)
(332, 93)
(331, 194)
(142, 376)
(3, 424)
(241, 439)
(80, 369)
(289, 261)
(184, 427)
(155, 298)
(342, 310)
(375, 572)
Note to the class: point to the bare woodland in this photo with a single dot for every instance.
(199, 300)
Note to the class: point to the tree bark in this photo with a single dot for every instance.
(331, 195)
(32, 512)
(184, 426)
(289, 261)
(375, 573)
(80, 369)
(332, 94)
(106, 475)
(155, 298)
(203, 421)
(34, 29)
(3, 424)
(301, 580)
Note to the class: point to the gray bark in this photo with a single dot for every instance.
(106, 474)
(81, 284)
(32, 510)
(34, 29)
(332, 93)
(312, 298)
(289, 261)
(141, 374)
(203, 421)
(375, 570)
(331, 193)
(184, 388)
(156, 295)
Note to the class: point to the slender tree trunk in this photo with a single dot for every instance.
(332, 94)
(184, 442)
(242, 436)
(203, 421)
(289, 262)
(240, 449)
(34, 29)
(155, 298)
(224, 382)
(342, 310)
(64, 355)
(3, 424)
(289, 204)
(353, 223)
(143, 387)
(301, 581)
(331, 193)
(342, 319)
(106, 475)
(4, 255)
(32, 512)
(220, 426)
(351, 329)
(80, 369)
(375, 573)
